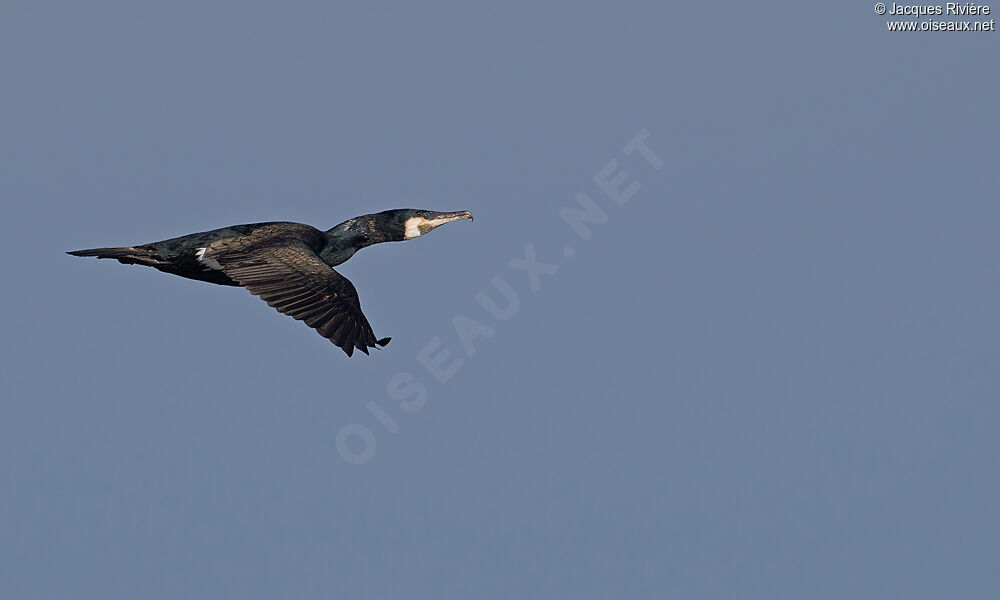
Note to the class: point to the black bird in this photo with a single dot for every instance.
(289, 265)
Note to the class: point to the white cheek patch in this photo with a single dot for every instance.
(412, 228)
(209, 262)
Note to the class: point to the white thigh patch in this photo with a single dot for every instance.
(209, 262)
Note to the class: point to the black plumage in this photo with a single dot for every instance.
(289, 265)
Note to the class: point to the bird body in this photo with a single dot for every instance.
(288, 265)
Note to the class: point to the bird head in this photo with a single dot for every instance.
(409, 223)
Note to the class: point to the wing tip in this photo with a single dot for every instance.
(349, 349)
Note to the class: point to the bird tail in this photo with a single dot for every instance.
(127, 255)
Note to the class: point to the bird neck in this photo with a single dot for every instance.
(352, 235)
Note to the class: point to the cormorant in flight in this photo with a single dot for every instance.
(289, 265)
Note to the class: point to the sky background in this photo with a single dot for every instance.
(772, 373)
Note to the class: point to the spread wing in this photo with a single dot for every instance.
(290, 277)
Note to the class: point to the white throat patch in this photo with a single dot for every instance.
(412, 228)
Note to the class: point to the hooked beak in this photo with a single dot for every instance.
(418, 226)
(448, 217)
(438, 219)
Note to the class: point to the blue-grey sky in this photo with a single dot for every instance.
(771, 373)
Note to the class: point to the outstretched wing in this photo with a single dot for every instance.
(290, 277)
